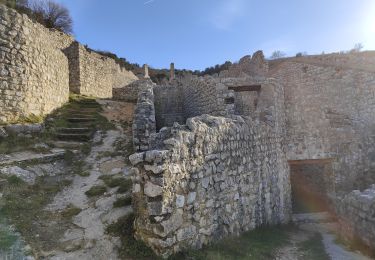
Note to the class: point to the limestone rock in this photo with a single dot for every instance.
(180, 201)
(136, 158)
(25, 175)
(152, 190)
(3, 133)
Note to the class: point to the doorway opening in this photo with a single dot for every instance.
(312, 181)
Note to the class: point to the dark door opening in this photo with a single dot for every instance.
(311, 182)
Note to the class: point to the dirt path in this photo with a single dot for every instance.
(88, 238)
(309, 238)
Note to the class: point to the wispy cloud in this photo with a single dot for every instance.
(148, 2)
(226, 13)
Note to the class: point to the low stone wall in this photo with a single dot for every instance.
(357, 216)
(129, 93)
(93, 74)
(34, 72)
(212, 178)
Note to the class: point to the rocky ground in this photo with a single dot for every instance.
(72, 201)
(316, 240)
(96, 193)
(88, 238)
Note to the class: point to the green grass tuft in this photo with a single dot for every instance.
(122, 202)
(96, 191)
(112, 182)
(129, 246)
(257, 244)
(70, 212)
(125, 186)
(7, 239)
(313, 248)
(14, 180)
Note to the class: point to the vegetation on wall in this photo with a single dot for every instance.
(46, 12)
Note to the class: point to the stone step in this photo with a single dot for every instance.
(74, 130)
(31, 157)
(87, 101)
(85, 116)
(74, 137)
(68, 144)
(89, 104)
(84, 110)
(80, 119)
(319, 217)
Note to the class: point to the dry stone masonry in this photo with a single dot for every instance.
(95, 74)
(357, 216)
(220, 174)
(34, 72)
(212, 152)
(39, 66)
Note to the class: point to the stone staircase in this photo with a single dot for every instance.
(80, 124)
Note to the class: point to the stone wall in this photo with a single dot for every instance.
(144, 123)
(357, 61)
(95, 75)
(188, 97)
(169, 105)
(248, 66)
(129, 93)
(212, 178)
(357, 216)
(33, 69)
(204, 96)
(330, 114)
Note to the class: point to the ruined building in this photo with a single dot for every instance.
(39, 67)
(221, 155)
(217, 156)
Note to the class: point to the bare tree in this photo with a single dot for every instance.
(52, 15)
(277, 55)
(357, 47)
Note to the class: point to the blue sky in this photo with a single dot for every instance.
(199, 33)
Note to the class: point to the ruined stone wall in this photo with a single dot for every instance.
(189, 97)
(330, 114)
(212, 178)
(255, 65)
(144, 123)
(357, 61)
(130, 92)
(357, 216)
(34, 72)
(169, 105)
(204, 96)
(95, 75)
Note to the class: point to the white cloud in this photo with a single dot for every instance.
(226, 13)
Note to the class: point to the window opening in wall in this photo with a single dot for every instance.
(229, 100)
(245, 88)
(245, 99)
